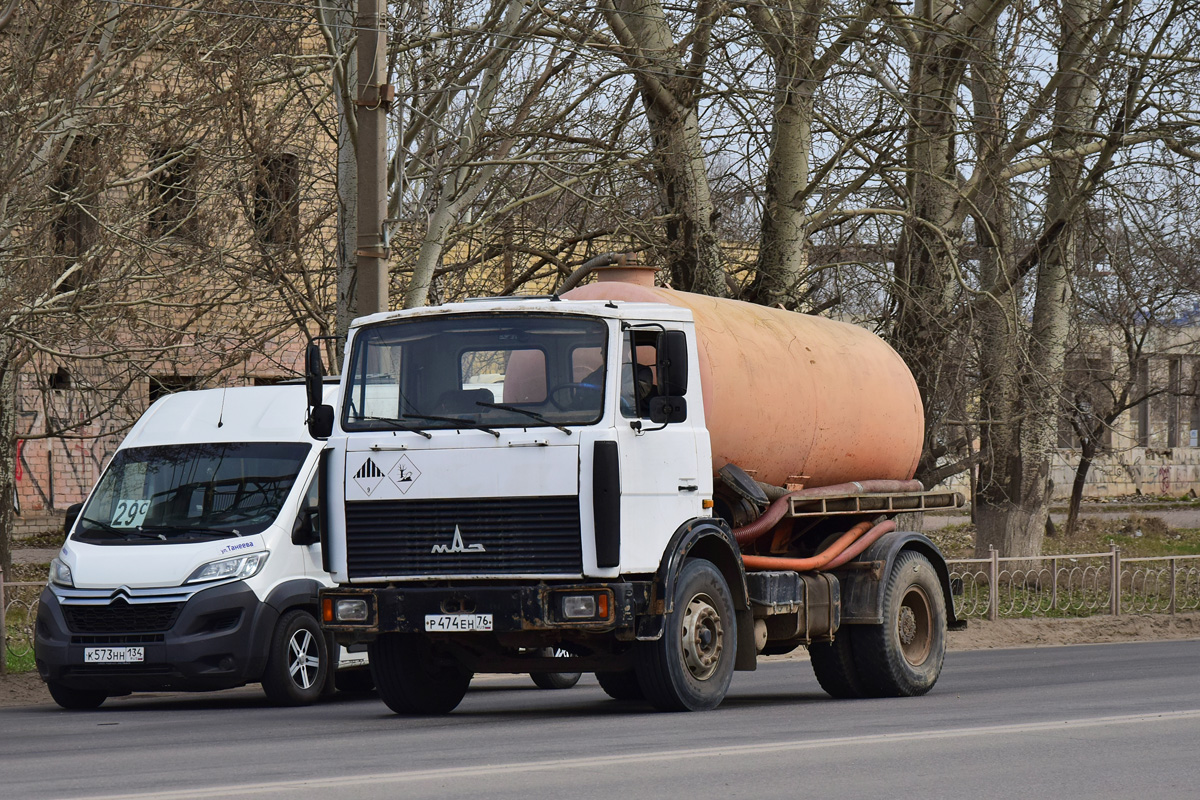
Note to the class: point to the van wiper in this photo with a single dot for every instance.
(125, 533)
(526, 412)
(458, 423)
(396, 425)
(162, 530)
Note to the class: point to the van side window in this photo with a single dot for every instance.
(312, 506)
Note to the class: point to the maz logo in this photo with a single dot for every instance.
(457, 545)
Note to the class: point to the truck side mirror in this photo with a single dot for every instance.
(672, 363)
(314, 374)
(73, 511)
(667, 409)
(320, 421)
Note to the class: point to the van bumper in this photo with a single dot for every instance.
(216, 639)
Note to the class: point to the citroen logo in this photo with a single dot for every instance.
(457, 546)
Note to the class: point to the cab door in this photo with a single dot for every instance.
(661, 484)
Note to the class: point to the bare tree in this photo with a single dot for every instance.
(154, 194)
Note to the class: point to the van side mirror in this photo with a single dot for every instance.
(73, 512)
(672, 363)
(306, 528)
(314, 374)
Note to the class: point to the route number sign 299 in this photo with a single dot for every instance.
(129, 513)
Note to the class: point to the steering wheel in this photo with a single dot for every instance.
(570, 396)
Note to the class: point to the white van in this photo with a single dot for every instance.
(196, 560)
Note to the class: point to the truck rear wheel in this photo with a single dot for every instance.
(833, 664)
(690, 667)
(298, 662)
(75, 699)
(903, 656)
(410, 680)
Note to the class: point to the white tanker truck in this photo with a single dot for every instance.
(662, 485)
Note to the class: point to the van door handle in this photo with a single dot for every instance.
(689, 488)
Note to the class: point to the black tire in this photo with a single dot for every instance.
(354, 681)
(690, 667)
(621, 685)
(903, 656)
(555, 680)
(833, 664)
(75, 699)
(411, 681)
(298, 664)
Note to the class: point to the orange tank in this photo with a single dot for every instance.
(790, 397)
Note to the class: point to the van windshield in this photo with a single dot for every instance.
(191, 492)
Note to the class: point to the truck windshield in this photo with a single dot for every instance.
(191, 492)
(477, 370)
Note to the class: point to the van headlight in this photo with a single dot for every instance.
(60, 573)
(236, 568)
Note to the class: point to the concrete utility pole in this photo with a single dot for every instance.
(374, 98)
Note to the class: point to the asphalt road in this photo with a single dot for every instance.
(1095, 721)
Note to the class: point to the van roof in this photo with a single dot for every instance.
(235, 414)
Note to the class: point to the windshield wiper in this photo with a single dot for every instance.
(126, 533)
(458, 423)
(526, 412)
(161, 530)
(396, 425)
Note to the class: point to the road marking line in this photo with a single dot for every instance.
(341, 783)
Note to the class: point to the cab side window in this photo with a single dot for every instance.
(638, 379)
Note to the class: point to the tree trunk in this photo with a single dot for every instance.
(1017, 526)
(668, 91)
(999, 320)
(789, 34)
(1086, 456)
(8, 457)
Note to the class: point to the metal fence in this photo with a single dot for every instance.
(1074, 585)
(1047, 586)
(18, 615)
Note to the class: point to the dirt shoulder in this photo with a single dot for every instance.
(27, 689)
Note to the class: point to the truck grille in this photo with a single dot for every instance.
(495, 536)
(121, 617)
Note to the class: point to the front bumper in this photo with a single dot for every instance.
(514, 609)
(217, 640)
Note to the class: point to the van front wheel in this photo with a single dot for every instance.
(298, 663)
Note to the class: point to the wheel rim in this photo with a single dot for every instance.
(914, 626)
(702, 637)
(305, 659)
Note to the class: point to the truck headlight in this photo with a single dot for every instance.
(60, 573)
(236, 568)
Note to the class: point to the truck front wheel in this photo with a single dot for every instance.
(689, 668)
(903, 656)
(409, 678)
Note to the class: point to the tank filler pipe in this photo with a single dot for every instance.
(833, 560)
(812, 562)
(602, 260)
(770, 518)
